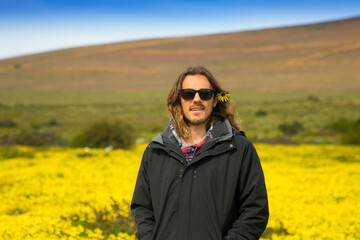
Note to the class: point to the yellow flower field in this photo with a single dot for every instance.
(64, 193)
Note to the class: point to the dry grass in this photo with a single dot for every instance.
(318, 57)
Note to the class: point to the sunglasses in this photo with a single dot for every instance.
(189, 94)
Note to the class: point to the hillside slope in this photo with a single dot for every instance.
(319, 57)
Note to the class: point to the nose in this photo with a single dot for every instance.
(197, 98)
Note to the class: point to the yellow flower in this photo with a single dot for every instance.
(321, 197)
(223, 96)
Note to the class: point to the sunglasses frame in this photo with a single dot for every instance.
(200, 92)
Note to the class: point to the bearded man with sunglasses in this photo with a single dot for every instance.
(201, 179)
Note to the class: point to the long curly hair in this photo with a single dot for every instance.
(223, 110)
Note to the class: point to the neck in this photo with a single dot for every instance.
(196, 134)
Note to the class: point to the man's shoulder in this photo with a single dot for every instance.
(241, 139)
(237, 132)
(166, 134)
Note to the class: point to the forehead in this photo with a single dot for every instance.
(196, 82)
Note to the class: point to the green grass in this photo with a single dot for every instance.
(73, 111)
(316, 111)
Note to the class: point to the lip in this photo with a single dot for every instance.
(197, 108)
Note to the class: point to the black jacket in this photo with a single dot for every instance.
(221, 194)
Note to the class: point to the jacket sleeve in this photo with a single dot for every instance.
(141, 204)
(252, 198)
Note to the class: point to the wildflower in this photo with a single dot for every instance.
(309, 189)
(223, 96)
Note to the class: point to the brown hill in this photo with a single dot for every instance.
(324, 56)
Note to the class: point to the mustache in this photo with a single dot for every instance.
(197, 105)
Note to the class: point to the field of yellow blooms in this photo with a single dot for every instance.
(65, 193)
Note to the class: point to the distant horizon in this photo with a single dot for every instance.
(165, 37)
(34, 27)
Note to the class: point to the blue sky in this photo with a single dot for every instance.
(31, 26)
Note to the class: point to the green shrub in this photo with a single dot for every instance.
(8, 152)
(260, 113)
(7, 123)
(341, 125)
(102, 134)
(33, 137)
(52, 122)
(291, 128)
(313, 98)
(349, 130)
(39, 137)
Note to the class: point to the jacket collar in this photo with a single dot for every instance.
(222, 130)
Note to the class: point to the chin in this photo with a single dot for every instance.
(196, 121)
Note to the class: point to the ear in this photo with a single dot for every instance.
(215, 102)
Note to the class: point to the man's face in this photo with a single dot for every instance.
(197, 111)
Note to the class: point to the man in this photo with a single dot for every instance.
(201, 179)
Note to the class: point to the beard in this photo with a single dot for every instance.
(197, 122)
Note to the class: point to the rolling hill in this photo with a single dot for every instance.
(317, 57)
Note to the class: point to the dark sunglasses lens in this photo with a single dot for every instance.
(188, 94)
(205, 94)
